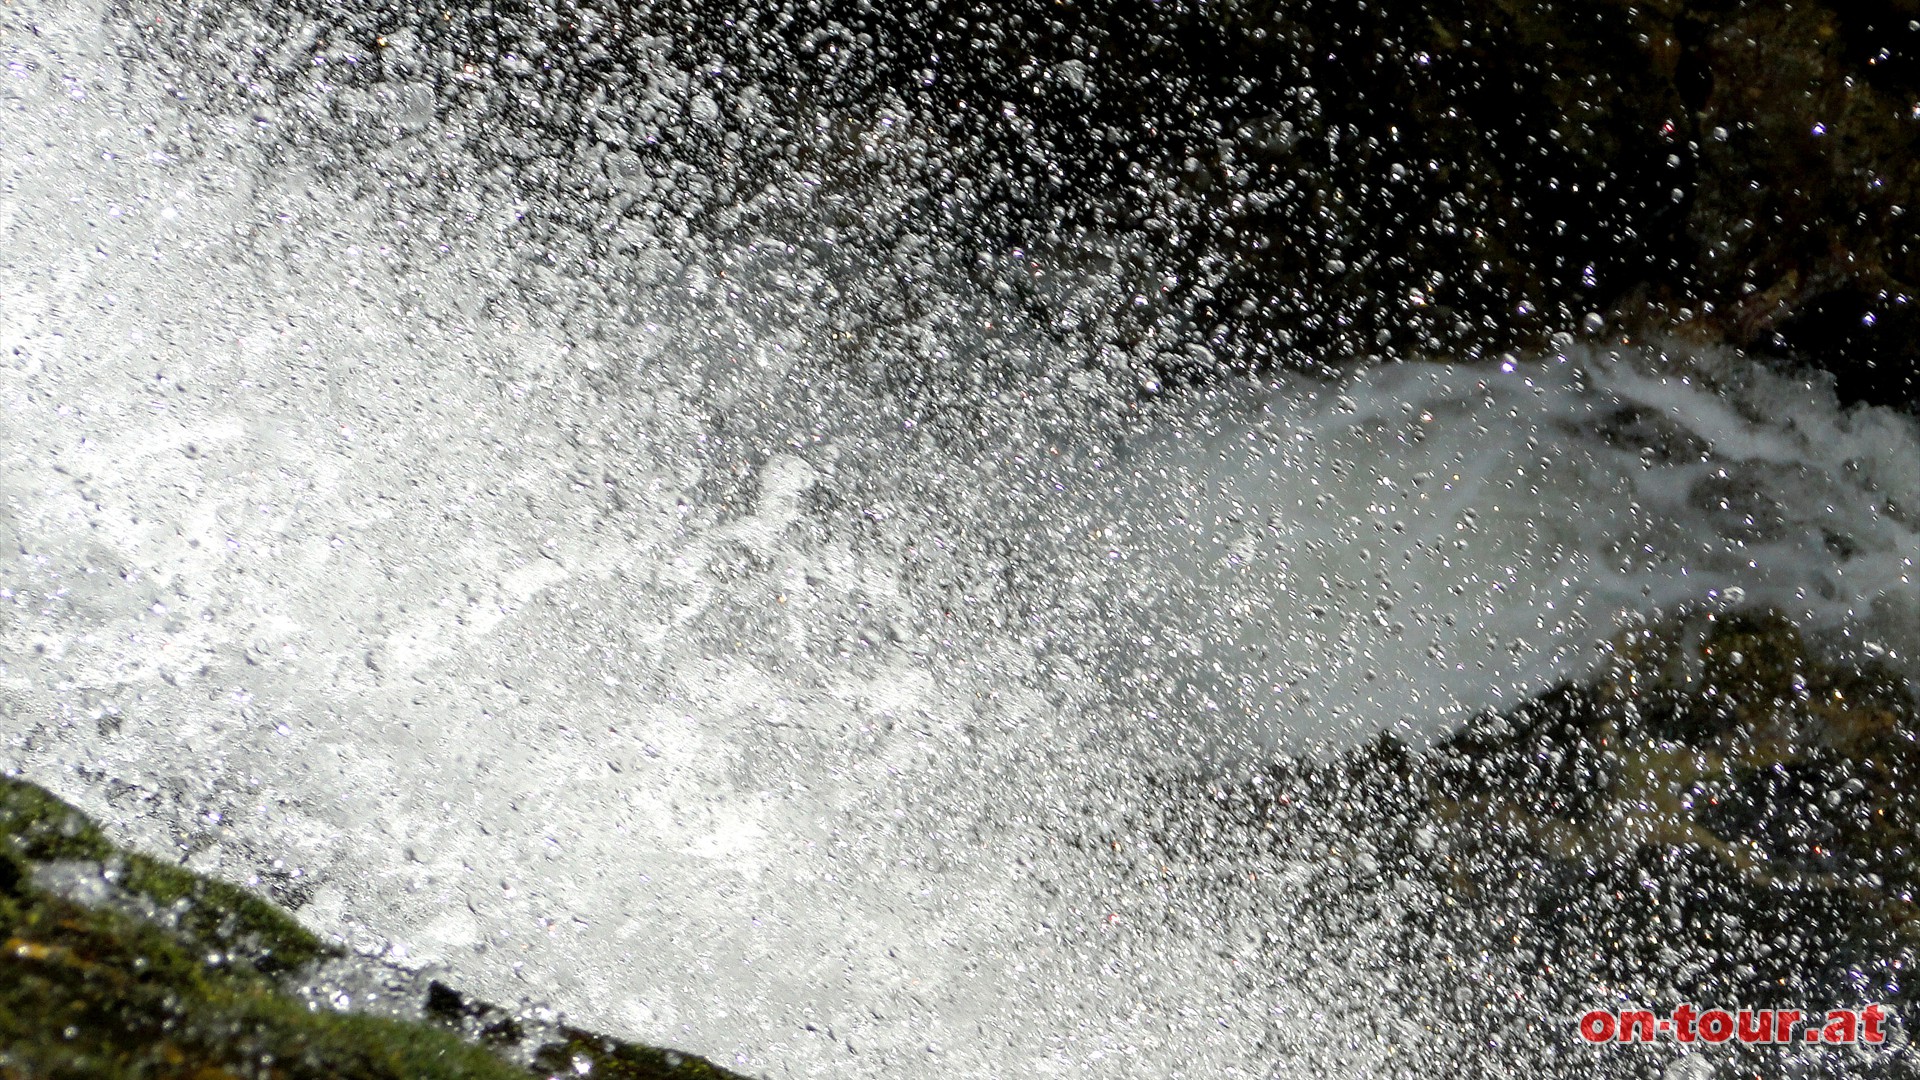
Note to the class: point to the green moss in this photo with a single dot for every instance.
(216, 916)
(623, 1061)
(41, 828)
(92, 992)
(224, 916)
(98, 992)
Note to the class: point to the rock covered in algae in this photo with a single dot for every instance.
(115, 965)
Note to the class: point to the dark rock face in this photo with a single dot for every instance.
(1299, 181)
(1720, 817)
(1214, 186)
(113, 964)
(1800, 224)
(1721, 796)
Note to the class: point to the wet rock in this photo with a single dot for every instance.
(113, 964)
(1720, 815)
(1474, 176)
(1801, 213)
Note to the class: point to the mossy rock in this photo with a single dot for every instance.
(161, 973)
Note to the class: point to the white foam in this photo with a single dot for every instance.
(767, 737)
(1316, 563)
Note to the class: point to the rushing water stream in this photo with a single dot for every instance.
(682, 677)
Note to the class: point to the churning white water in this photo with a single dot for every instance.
(665, 678)
(1427, 540)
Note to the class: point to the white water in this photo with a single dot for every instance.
(1316, 564)
(665, 679)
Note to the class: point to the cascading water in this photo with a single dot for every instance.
(678, 676)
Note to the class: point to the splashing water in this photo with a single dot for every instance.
(1423, 541)
(674, 678)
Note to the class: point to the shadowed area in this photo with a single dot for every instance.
(1203, 188)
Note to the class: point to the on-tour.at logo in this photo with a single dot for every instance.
(1687, 1024)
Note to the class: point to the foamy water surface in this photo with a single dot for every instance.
(671, 679)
